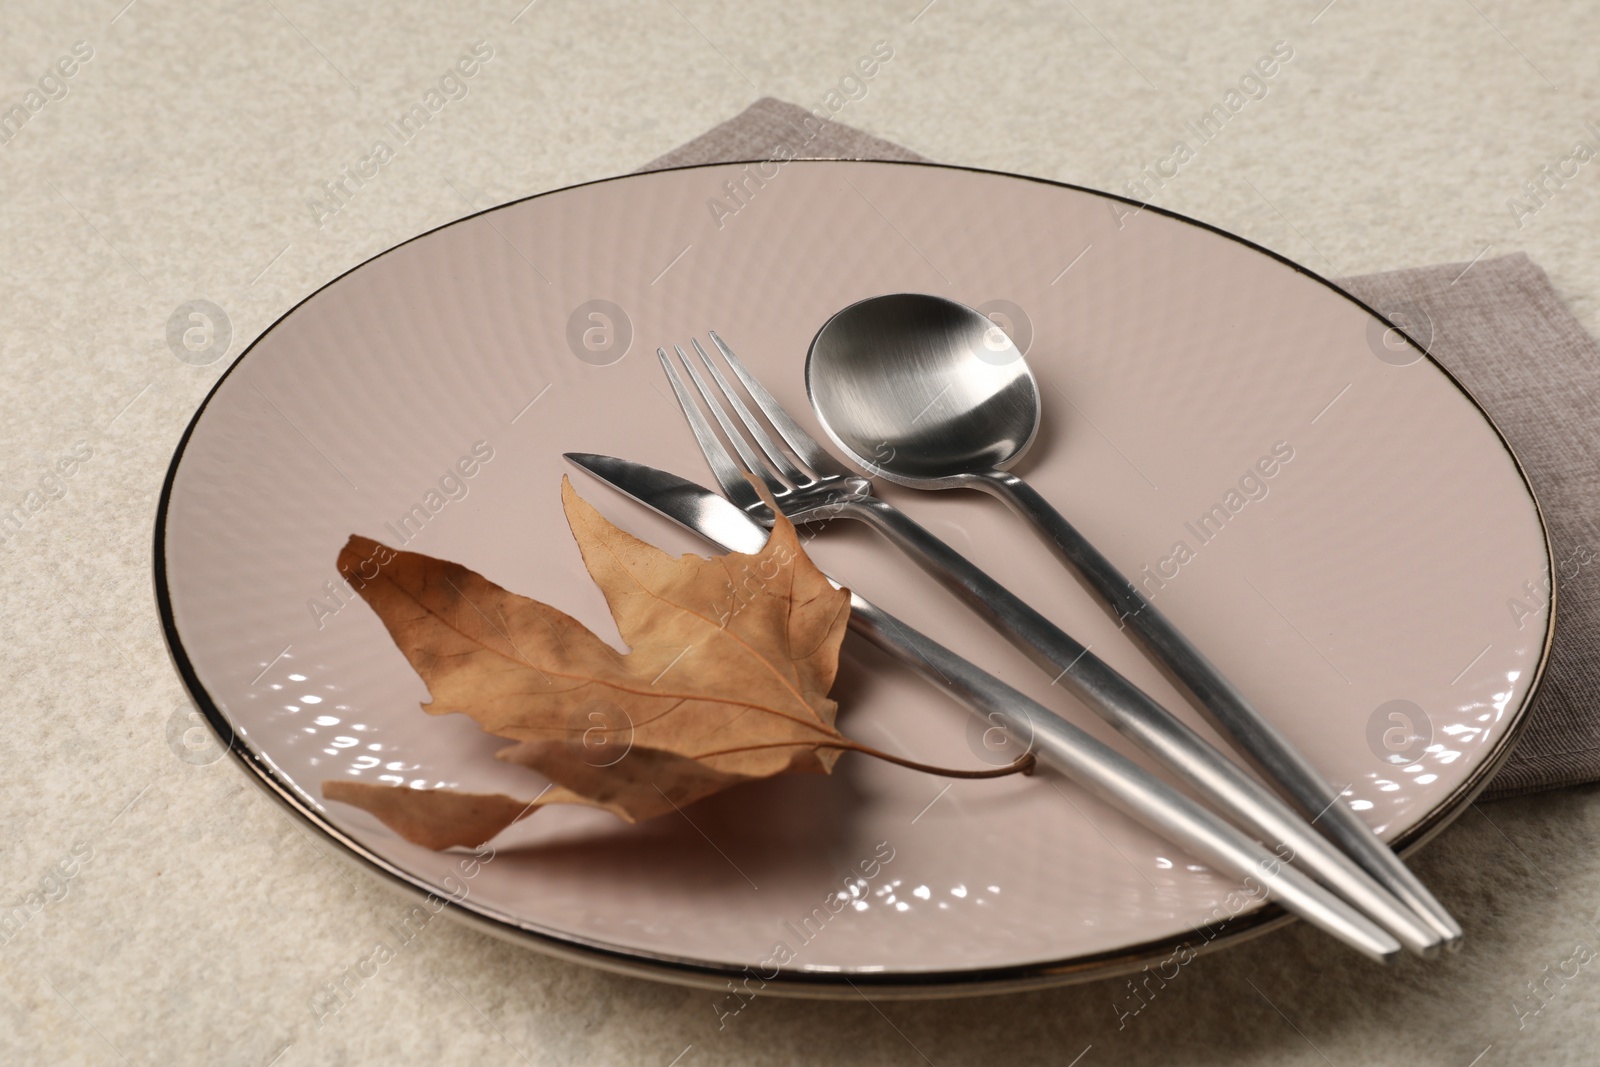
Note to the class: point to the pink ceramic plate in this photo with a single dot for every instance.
(1323, 509)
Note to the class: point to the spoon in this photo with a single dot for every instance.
(931, 394)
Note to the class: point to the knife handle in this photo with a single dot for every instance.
(1121, 783)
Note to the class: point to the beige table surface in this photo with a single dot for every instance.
(181, 163)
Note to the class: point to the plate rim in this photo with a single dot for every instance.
(837, 983)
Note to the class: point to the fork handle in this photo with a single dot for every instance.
(1128, 709)
(1227, 709)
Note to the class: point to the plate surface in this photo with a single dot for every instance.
(1311, 499)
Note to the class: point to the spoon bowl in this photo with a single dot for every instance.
(922, 391)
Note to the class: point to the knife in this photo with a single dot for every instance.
(1055, 742)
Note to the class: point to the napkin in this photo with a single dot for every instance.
(1499, 327)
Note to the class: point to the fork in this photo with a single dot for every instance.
(808, 484)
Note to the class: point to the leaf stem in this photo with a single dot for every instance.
(1023, 764)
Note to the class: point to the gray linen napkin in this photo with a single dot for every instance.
(1499, 327)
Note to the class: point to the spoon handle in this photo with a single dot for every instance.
(1137, 716)
(1226, 707)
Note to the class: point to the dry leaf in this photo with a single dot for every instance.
(730, 662)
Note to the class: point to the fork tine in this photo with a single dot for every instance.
(804, 445)
(752, 462)
(779, 457)
(727, 473)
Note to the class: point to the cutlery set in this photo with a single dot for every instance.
(927, 393)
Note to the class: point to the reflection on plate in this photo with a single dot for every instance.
(1340, 530)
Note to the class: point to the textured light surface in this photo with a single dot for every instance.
(182, 162)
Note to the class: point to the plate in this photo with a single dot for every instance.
(1317, 503)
